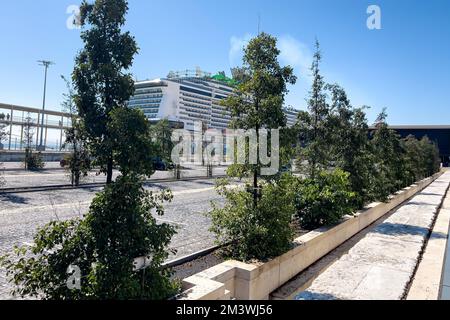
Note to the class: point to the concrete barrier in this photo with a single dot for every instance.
(255, 281)
(19, 156)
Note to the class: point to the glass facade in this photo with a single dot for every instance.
(147, 98)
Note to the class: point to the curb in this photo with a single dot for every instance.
(189, 257)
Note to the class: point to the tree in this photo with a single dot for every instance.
(255, 221)
(389, 161)
(239, 74)
(422, 157)
(314, 132)
(258, 99)
(99, 79)
(132, 142)
(246, 232)
(2, 131)
(414, 158)
(432, 159)
(349, 147)
(32, 161)
(119, 229)
(161, 133)
(102, 246)
(79, 159)
(2, 137)
(324, 200)
(28, 133)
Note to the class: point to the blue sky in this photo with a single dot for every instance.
(405, 66)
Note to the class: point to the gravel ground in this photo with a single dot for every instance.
(192, 267)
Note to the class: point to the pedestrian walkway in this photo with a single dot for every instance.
(382, 263)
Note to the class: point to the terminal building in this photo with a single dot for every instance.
(189, 96)
(440, 134)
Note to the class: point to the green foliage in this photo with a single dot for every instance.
(2, 132)
(324, 200)
(99, 80)
(259, 97)
(383, 142)
(390, 165)
(432, 161)
(349, 147)
(2, 137)
(79, 161)
(33, 161)
(132, 142)
(118, 228)
(259, 232)
(422, 157)
(161, 133)
(266, 82)
(334, 134)
(313, 125)
(256, 221)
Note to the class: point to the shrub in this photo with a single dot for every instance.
(323, 200)
(79, 164)
(259, 232)
(118, 228)
(33, 161)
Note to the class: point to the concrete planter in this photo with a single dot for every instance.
(244, 281)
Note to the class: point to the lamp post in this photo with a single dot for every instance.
(45, 64)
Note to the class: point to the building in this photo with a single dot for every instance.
(440, 134)
(291, 116)
(17, 118)
(187, 97)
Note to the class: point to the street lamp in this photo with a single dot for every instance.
(45, 64)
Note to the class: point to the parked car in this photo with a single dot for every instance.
(286, 168)
(63, 163)
(162, 165)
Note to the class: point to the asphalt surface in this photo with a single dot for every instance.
(22, 213)
(19, 178)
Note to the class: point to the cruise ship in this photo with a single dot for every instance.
(189, 96)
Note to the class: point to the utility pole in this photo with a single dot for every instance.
(45, 64)
(259, 24)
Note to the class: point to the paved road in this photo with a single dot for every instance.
(381, 264)
(21, 214)
(13, 166)
(21, 178)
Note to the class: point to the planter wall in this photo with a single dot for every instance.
(243, 281)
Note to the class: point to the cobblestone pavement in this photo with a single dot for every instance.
(382, 263)
(21, 214)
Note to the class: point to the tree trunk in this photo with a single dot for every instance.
(255, 172)
(255, 188)
(109, 170)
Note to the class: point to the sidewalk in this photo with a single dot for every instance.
(430, 276)
(381, 265)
